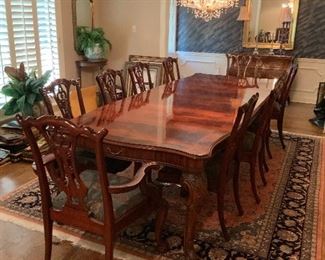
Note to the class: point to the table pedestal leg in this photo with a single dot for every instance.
(196, 186)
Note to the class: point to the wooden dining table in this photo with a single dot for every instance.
(179, 124)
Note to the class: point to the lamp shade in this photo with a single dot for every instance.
(243, 14)
(286, 14)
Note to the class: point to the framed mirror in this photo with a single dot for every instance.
(270, 24)
(82, 15)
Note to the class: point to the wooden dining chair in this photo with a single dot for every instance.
(170, 65)
(238, 64)
(60, 91)
(281, 102)
(253, 145)
(110, 88)
(90, 200)
(218, 168)
(137, 74)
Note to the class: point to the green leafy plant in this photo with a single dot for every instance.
(24, 90)
(88, 38)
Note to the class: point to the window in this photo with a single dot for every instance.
(28, 34)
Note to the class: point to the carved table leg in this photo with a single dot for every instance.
(197, 190)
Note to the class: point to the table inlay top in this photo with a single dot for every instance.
(189, 116)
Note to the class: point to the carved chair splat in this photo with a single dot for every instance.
(60, 90)
(137, 72)
(107, 82)
(87, 199)
(170, 64)
(237, 65)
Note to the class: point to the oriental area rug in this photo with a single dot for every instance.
(283, 226)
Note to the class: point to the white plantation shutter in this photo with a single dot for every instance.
(23, 33)
(28, 34)
(4, 47)
(48, 39)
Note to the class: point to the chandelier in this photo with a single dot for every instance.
(208, 9)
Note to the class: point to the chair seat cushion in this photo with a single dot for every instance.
(112, 165)
(121, 202)
(248, 141)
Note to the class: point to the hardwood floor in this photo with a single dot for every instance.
(296, 120)
(20, 243)
(14, 175)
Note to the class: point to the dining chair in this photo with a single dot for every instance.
(140, 77)
(91, 200)
(170, 65)
(60, 90)
(108, 85)
(281, 102)
(238, 64)
(226, 160)
(253, 145)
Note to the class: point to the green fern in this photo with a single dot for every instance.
(88, 38)
(24, 90)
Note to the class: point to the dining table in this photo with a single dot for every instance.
(179, 124)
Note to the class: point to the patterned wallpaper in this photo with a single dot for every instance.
(225, 34)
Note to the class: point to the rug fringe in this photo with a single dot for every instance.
(30, 225)
(319, 234)
(63, 236)
(303, 135)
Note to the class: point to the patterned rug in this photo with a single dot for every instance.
(282, 226)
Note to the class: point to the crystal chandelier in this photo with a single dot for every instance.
(208, 9)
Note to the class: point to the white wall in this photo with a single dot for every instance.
(67, 54)
(133, 27)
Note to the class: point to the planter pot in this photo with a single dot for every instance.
(95, 53)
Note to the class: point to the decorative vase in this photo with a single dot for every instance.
(95, 53)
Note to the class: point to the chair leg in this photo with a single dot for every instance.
(267, 143)
(48, 233)
(261, 169)
(263, 151)
(236, 188)
(162, 245)
(220, 200)
(280, 130)
(253, 181)
(109, 247)
(266, 168)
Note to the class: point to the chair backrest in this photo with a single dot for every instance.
(259, 66)
(264, 117)
(64, 140)
(108, 85)
(238, 64)
(288, 83)
(60, 90)
(234, 141)
(170, 64)
(137, 77)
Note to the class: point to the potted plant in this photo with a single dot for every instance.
(92, 43)
(24, 90)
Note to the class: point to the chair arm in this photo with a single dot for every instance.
(138, 177)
